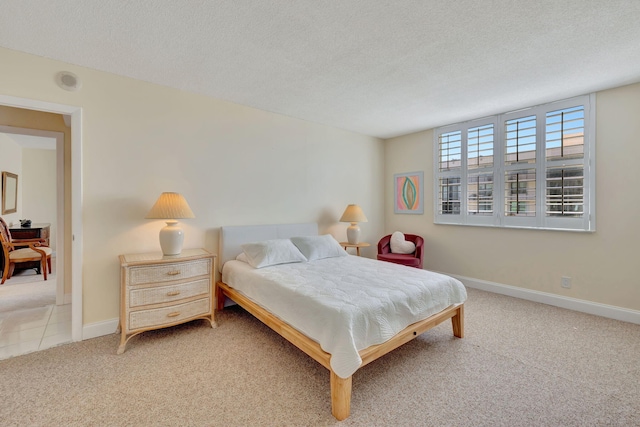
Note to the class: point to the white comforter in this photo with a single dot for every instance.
(346, 303)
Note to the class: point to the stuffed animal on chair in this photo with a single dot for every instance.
(400, 248)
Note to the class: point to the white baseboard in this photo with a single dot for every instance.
(98, 329)
(604, 310)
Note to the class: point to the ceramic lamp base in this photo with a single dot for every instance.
(353, 233)
(171, 238)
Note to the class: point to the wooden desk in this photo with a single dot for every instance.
(36, 231)
(346, 245)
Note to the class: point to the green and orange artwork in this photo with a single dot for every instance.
(408, 193)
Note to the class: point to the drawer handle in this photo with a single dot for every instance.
(174, 273)
(174, 314)
(173, 294)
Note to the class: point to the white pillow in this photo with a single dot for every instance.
(401, 246)
(242, 257)
(272, 252)
(319, 247)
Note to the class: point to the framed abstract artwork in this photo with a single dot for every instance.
(407, 190)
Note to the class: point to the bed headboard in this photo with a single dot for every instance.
(232, 237)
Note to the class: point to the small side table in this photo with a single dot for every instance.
(346, 245)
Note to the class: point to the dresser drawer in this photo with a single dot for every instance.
(174, 314)
(169, 272)
(155, 295)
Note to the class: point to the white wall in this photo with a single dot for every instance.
(11, 161)
(36, 170)
(234, 165)
(602, 265)
(39, 193)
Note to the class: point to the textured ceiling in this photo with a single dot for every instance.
(381, 68)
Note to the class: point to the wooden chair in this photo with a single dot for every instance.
(22, 250)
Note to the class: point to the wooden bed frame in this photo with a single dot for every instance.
(340, 387)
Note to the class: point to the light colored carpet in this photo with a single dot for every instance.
(27, 289)
(520, 364)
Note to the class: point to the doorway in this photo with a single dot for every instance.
(71, 217)
(43, 141)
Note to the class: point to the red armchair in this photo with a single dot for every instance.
(412, 260)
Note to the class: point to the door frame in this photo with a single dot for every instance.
(60, 229)
(76, 196)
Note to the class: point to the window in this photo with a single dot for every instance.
(449, 196)
(530, 168)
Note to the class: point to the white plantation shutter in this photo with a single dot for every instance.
(480, 140)
(480, 194)
(464, 179)
(520, 193)
(520, 138)
(532, 168)
(449, 196)
(565, 133)
(449, 170)
(450, 149)
(565, 192)
(564, 152)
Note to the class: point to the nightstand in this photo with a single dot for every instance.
(346, 245)
(159, 291)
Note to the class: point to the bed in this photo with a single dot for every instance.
(342, 310)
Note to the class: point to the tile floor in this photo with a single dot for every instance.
(33, 329)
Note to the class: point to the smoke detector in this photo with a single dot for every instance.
(68, 81)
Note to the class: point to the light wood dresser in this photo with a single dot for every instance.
(159, 291)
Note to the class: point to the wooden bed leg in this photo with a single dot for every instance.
(458, 322)
(340, 396)
(219, 298)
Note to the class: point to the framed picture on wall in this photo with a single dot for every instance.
(9, 193)
(407, 191)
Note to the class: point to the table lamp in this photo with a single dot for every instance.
(170, 206)
(354, 215)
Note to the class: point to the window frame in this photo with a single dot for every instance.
(499, 218)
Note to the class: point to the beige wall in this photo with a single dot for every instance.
(602, 265)
(234, 165)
